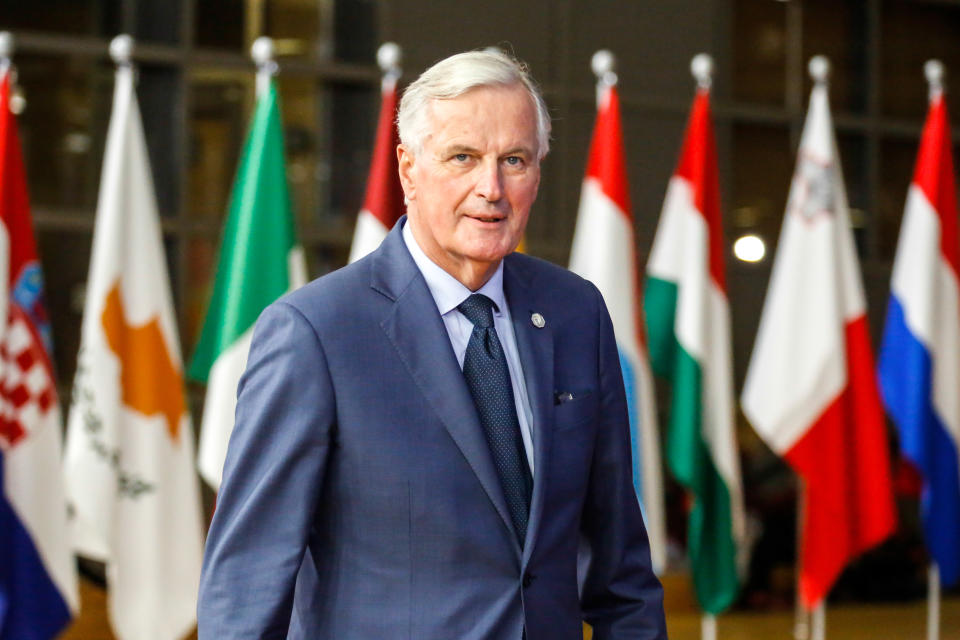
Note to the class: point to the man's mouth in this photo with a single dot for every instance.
(486, 219)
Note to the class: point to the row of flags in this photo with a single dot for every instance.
(811, 389)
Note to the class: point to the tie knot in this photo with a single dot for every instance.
(479, 310)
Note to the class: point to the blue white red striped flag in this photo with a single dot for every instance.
(38, 579)
(920, 355)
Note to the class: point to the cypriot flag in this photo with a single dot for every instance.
(129, 462)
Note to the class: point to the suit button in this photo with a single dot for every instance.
(527, 580)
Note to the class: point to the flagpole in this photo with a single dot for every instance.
(701, 68)
(6, 52)
(934, 72)
(262, 51)
(389, 57)
(819, 69)
(603, 63)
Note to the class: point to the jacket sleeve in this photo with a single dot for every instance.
(621, 597)
(271, 480)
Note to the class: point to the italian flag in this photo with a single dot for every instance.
(688, 323)
(260, 260)
(811, 390)
(604, 252)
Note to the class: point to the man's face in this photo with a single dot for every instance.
(471, 186)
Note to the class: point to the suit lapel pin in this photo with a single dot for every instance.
(537, 320)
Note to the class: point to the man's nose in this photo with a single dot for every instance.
(490, 181)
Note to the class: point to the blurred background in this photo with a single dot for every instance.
(196, 90)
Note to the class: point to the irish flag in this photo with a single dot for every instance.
(604, 252)
(688, 323)
(811, 391)
(260, 260)
(920, 356)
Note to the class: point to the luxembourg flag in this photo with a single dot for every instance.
(688, 322)
(920, 355)
(811, 391)
(383, 202)
(603, 252)
(38, 577)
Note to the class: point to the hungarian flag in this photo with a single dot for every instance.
(260, 260)
(383, 203)
(130, 470)
(688, 322)
(811, 391)
(604, 252)
(38, 578)
(920, 355)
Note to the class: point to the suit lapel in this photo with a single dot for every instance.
(423, 345)
(536, 357)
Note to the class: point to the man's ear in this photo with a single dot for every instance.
(405, 162)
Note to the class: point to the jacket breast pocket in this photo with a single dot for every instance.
(573, 409)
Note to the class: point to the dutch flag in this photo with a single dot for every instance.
(920, 356)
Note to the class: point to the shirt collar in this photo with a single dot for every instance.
(447, 291)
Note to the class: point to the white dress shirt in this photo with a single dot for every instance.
(448, 293)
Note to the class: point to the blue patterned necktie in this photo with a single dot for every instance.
(488, 378)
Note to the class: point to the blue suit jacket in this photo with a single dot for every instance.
(359, 497)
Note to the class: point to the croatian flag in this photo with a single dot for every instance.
(38, 580)
(920, 355)
(604, 252)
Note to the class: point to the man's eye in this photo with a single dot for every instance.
(461, 157)
(514, 161)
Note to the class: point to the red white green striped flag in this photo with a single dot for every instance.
(688, 323)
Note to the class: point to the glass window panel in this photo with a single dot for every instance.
(65, 256)
(349, 123)
(159, 21)
(220, 106)
(897, 158)
(355, 30)
(759, 51)
(294, 25)
(300, 105)
(838, 30)
(911, 34)
(80, 17)
(221, 23)
(158, 93)
(853, 160)
(63, 127)
(762, 166)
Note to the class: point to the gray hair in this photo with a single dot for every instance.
(458, 74)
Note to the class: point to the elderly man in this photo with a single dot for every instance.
(429, 439)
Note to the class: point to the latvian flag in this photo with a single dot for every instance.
(688, 321)
(920, 355)
(811, 391)
(383, 203)
(603, 252)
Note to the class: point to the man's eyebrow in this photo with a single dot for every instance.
(459, 148)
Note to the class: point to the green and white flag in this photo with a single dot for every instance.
(688, 324)
(260, 260)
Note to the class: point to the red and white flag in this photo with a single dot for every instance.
(811, 391)
(383, 203)
(604, 252)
